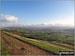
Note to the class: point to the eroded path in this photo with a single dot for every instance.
(46, 42)
(17, 47)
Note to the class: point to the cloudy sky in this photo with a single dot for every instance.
(37, 12)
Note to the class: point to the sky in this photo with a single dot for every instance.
(37, 12)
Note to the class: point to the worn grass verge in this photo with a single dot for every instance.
(4, 49)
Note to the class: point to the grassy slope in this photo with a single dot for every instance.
(4, 49)
(58, 44)
(65, 46)
(38, 44)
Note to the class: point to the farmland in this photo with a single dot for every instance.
(24, 42)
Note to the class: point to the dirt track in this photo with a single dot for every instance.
(56, 46)
(17, 47)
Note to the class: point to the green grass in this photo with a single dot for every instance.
(4, 49)
(38, 44)
(62, 44)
